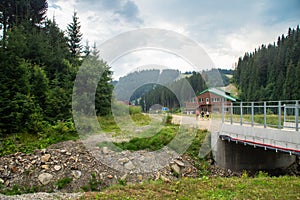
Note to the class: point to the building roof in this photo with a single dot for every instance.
(219, 92)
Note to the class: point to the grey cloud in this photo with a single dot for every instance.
(130, 11)
(55, 6)
(126, 9)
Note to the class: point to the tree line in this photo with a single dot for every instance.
(271, 72)
(38, 66)
(173, 95)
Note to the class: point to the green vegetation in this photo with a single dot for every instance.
(271, 72)
(38, 66)
(63, 182)
(28, 142)
(159, 140)
(207, 188)
(17, 190)
(175, 93)
(94, 184)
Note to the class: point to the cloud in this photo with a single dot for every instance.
(225, 29)
(125, 9)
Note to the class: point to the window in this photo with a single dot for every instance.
(207, 100)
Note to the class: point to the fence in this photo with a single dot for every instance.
(276, 114)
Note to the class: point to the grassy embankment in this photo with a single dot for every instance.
(260, 187)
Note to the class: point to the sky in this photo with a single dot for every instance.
(225, 30)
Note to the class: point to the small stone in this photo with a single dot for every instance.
(45, 166)
(129, 166)
(7, 183)
(165, 179)
(175, 168)
(68, 153)
(105, 150)
(63, 151)
(45, 178)
(33, 162)
(157, 176)
(142, 158)
(179, 163)
(189, 170)
(13, 169)
(109, 176)
(1, 181)
(76, 174)
(45, 158)
(140, 177)
(43, 151)
(124, 177)
(57, 167)
(123, 160)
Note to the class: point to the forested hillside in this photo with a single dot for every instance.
(271, 72)
(136, 84)
(38, 66)
(175, 93)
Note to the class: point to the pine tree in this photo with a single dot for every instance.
(74, 37)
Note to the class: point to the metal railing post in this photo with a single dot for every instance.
(241, 113)
(231, 112)
(223, 111)
(284, 114)
(265, 114)
(252, 114)
(279, 114)
(297, 115)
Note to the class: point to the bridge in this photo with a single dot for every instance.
(257, 135)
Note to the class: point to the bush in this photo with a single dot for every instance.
(135, 110)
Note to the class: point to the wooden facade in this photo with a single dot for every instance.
(209, 100)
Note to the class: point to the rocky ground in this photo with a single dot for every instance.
(67, 169)
(72, 167)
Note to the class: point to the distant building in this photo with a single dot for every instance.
(209, 100)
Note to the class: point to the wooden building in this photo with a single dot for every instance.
(209, 100)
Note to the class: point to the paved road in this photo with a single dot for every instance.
(191, 120)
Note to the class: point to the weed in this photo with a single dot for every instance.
(94, 183)
(206, 188)
(156, 142)
(122, 182)
(63, 182)
(245, 174)
(262, 174)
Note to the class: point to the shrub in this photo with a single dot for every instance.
(61, 183)
(135, 110)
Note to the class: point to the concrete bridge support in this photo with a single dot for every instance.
(230, 155)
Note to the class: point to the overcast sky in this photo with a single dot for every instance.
(224, 29)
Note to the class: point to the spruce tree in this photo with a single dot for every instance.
(74, 37)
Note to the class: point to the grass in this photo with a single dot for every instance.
(214, 188)
(272, 120)
(63, 182)
(28, 142)
(109, 124)
(157, 141)
(59, 132)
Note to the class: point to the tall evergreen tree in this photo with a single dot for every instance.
(74, 36)
(15, 12)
